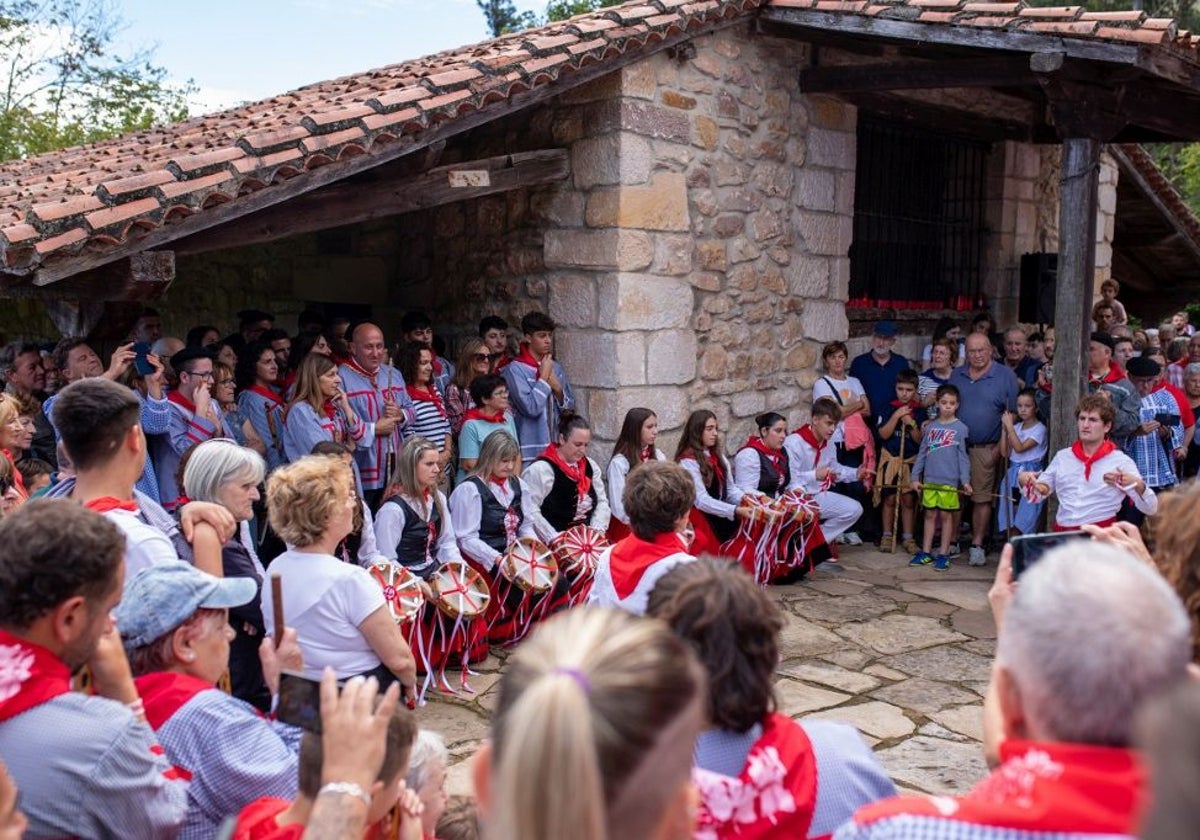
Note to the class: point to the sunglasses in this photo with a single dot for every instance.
(483, 357)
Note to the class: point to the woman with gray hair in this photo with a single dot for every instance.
(427, 777)
(229, 475)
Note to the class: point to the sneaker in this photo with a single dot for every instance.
(910, 546)
(977, 556)
(887, 543)
(850, 538)
(921, 559)
(954, 551)
(941, 563)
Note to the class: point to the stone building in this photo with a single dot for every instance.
(700, 193)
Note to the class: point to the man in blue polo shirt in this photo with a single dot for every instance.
(987, 390)
(877, 368)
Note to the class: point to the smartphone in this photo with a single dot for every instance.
(1029, 548)
(1167, 419)
(300, 701)
(140, 363)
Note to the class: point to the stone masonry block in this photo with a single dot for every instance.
(808, 277)
(603, 359)
(662, 205)
(824, 320)
(612, 248)
(656, 121)
(826, 234)
(671, 357)
(830, 149)
(572, 300)
(617, 158)
(608, 407)
(644, 302)
(816, 189)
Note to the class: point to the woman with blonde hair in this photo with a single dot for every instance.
(12, 434)
(338, 610)
(593, 733)
(474, 361)
(319, 410)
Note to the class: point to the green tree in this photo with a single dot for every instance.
(563, 9)
(61, 84)
(502, 17)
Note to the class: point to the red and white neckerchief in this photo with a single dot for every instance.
(775, 456)
(807, 435)
(429, 395)
(1103, 449)
(576, 472)
(104, 504)
(359, 369)
(632, 556)
(511, 520)
(30, 675)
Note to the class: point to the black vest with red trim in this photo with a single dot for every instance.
(417, 548)
(491, 522)
(560, 507)
(770, 480)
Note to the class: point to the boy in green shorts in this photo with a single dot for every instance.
(942, 468)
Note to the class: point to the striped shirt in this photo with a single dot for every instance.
(430, 424)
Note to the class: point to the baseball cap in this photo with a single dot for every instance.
(161, 597)
(887, 329)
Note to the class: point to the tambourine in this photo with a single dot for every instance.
(578, 549)
(459, 591)
(800, 506)
(401, 589)
(530, 565)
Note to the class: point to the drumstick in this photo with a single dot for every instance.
(277, 606)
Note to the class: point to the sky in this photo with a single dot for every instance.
(243, 50)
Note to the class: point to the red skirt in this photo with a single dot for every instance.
(512, 611)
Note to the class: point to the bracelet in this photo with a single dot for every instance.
(346, 789)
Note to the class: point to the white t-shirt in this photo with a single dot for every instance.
(145, 545)
(848, 389)
(325, 600)
(1035, 432)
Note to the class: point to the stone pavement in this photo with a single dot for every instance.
(902, 654)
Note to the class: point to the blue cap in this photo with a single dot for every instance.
(887, 329)
(161, 597)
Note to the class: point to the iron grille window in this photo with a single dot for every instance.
(919, 204)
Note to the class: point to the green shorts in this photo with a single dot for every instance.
(939, 497)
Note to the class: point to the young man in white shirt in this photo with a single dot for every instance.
(814, 469)
(1091, 477)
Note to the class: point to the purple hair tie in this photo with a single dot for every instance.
(577, 675)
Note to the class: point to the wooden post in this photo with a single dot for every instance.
(1078, 192)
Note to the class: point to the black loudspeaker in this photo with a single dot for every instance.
(1039, 273)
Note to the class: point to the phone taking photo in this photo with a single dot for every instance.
(141, 363)
(1029, 548)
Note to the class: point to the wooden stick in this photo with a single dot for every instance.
(277, 606)
(899, 490)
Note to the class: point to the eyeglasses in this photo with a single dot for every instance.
(483, 357)
(198, 375)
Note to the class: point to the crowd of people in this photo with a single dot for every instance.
(197, 531)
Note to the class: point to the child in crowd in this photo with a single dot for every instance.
(1109, 290)
(899, 424)
(942, 468)
(1024, 443)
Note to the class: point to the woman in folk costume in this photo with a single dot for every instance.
(566, 490)
(634, 446)
(259, 400)
(319, 410)
(432, 421)
(718, 499)
(759, 774)
(659, 498)
(488, 513)
(783, 540)
(413, 528)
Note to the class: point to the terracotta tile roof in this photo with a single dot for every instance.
(1130, 27)
(1138, 159)
(99, 196)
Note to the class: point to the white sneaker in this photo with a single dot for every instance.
(977, 556)
(850, 538)
(954, 551)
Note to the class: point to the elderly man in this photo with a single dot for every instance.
(1092, 477)
(377, 394)
(987, 390)
(1106, 377)
(1161, 434)
(1016, 356)
(87, 764)
(1059, 715)
(877, 368)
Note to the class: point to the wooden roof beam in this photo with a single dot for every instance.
(988, 72)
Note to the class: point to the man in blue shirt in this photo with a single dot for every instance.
(987, 390)
(877, 368)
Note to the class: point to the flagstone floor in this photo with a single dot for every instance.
(902, 654)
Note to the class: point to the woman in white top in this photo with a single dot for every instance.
(839, 386)
(1024, 442)
(634, 446)
(488, 511)
(718, 499)
(339, 612)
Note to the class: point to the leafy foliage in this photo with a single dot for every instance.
(502, 16)
(61, 84)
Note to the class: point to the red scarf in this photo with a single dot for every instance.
(18, 479)
(165, 692)
(106, 503)
(713, 461)
(806, 434)
(30, 675)
(181, 400)
(259, 821)
(527, 358)
(1077, 450)
(429, 395)
(1039, 787)
(647, 454)
(632, 556)
(775, 794)
(577, 473)
(480, 414)
(267, 393)
(1113, 374)
(330, 409)
(775, 456)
